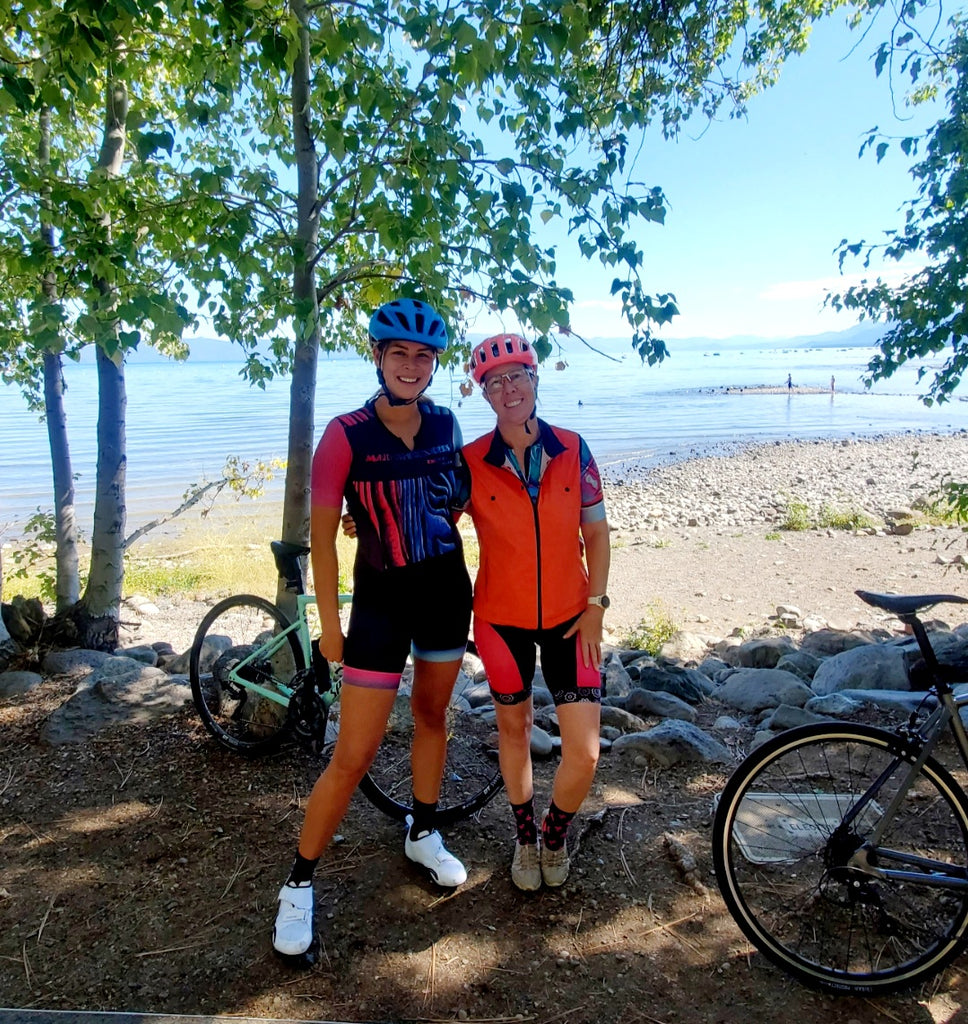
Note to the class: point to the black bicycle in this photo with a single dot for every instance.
(256, 685)
(842, 850)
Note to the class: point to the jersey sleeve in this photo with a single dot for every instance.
(592, 495)
(331, 467)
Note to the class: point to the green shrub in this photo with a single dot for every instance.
(655, 629)
(797, 516)
(845, 519)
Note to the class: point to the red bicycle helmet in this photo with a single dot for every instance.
(500, 350)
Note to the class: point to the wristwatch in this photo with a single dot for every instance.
(600, 599)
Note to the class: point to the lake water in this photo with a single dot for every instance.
(183, 420)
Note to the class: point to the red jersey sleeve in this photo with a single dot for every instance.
(331, 467)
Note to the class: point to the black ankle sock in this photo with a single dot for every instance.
(423, 818)
(555, 827)
(527, 831)
(302, 870)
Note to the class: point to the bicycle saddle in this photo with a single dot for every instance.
(900, 604)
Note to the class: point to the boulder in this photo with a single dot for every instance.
(763, 652)
(616, 680)
(672, 742)
(12, 684)
(753, 689)
(646, 703)
(871, 667)
(119, 690)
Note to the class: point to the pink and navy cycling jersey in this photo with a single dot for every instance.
(402, 500)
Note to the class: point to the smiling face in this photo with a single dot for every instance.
(510, 390)
(407, 366)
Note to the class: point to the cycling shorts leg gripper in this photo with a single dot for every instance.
(437, 656)
(509, 658)
(370, 680)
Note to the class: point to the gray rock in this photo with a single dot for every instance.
(609, 732)
(541, 743)
(801, 663)
(687, 647)
(753, 689)
(688, 684)
(659, 705)
(145, 654)
(119, 690)
(726, 723)
(672, 742)
(476, 694)
(764, 652)
(835, 705)
(891, 700)
(74, 662)
(541, 697)
(713, 667)
(873, 667)
(213, 647)
(826, 642)
(617, 681)
(621, 718)
(12, 684)
(787, 717)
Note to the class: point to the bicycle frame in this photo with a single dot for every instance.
(271, 647)
(944, 716)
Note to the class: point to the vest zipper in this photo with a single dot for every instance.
(537, 546)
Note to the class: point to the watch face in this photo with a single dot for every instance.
(604, 602)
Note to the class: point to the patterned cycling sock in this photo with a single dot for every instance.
(302, 870)
(527, 832)
(555, 826)
(423, 818)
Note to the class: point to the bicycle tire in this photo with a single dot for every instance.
(240, 719)
(780, 860)
(471, 772)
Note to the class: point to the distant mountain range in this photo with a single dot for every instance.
(866, 335)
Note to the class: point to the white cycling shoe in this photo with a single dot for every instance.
(292, 934)
(430, 852)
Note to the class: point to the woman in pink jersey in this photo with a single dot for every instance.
(394, 462)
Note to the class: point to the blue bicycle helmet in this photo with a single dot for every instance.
(409, 320)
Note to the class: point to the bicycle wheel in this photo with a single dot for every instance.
(471, 773)
(226, 655)
(781, 845)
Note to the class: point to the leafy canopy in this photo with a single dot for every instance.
(926, 313)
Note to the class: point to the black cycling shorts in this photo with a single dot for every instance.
(423, 609)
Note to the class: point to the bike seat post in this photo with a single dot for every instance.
(927, 651)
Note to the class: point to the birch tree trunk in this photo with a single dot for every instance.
(302, 395)
(65, 522)
(99, 609)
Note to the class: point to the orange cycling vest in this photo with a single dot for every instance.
(532, 574)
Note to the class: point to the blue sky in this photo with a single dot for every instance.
(758, 206)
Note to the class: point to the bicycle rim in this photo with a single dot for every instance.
(780, 848)
(229, 641)
(471, 773)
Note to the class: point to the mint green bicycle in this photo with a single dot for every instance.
(248, 660)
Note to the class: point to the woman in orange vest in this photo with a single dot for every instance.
(537, 505)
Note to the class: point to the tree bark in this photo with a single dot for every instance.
(302, 395)
(65, 522)
(98, 611)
